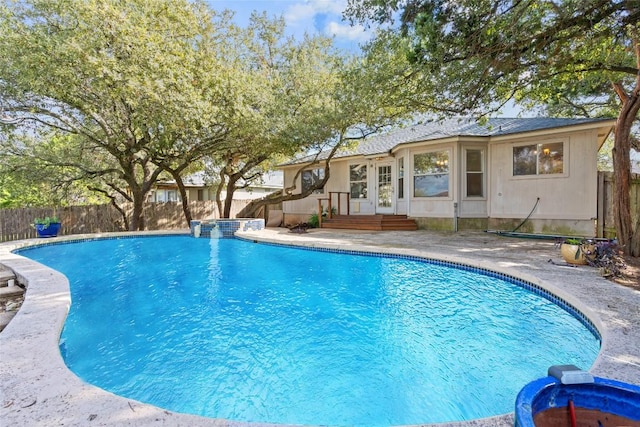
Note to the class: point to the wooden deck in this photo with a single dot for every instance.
(370, 222)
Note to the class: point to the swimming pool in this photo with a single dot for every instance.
(382, 343)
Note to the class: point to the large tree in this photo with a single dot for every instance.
(472, 56)
(29, 177)
(329, 103)
(286, 85)
(130, 80)
(277, 100)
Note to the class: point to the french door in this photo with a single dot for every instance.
(385, 196)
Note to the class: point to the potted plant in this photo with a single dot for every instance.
(47, 226)
(576, 250)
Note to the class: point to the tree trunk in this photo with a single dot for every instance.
(137, 217)
(114, 202)
(254, 206)
(183, 196)
(228, 200)
(231, 189)
(223, 180)
(628, 234)
(123, 214)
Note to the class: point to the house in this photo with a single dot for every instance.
(460, 174)
(198, 189)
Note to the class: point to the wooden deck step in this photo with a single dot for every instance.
(11, 297)
(5, 276)
(370, 222)
(8, 292)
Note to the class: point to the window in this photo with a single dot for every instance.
(310, 177)
(385, 186)
(401, 178)
(358, 180)
(164, 196)
(538, 159)
(475, 174)
(200, 195)
(431, 174)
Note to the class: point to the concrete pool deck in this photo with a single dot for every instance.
(36, 388)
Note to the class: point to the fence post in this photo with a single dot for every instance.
(601, 203)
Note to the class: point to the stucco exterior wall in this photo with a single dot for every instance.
(433, 207)
(570, 195)
(303, 208)
(562, 203)
(207, 194)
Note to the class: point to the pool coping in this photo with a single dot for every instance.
(36, 388)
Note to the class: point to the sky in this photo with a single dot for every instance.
(313, 16)
(319, 17)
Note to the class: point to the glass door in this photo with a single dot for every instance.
(384, 188)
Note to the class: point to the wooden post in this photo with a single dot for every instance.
(601, 204)
(348, 202)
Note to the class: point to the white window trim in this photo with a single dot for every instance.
(483, 151)
(318, 192)
(565, 160)
(367, 180)
(412, 188)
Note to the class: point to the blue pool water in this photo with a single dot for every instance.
(253, 332)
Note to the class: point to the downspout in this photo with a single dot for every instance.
(455, 217)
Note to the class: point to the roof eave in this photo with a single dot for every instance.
(444, 140)
(599, 124)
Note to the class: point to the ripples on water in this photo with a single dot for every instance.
(252, 332)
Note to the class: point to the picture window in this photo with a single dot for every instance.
(431, 174)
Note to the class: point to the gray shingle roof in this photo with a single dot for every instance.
(434, 130)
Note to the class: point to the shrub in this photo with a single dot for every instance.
(606, 257)
(46, 221)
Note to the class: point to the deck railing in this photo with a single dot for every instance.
(330, 203)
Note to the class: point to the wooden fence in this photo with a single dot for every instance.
(605, 226)
(16, 224)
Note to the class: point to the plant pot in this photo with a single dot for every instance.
(575, 254)
(48, 231)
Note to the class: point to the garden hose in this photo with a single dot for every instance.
(528, 216)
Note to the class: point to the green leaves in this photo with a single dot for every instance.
(128, 80)
(577, 57)
(113, 94)
(470, 55)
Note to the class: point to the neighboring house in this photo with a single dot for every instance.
(459, 174)
(199, 190)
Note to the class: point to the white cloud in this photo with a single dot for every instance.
(324, 16)
(299, 12)
(305, 11)
(355, 33)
